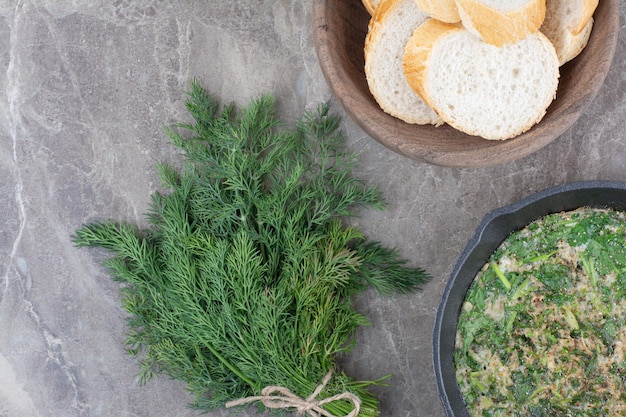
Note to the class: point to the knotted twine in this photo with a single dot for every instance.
(281, 397)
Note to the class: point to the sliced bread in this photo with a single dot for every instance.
(562, 26)
(501, 22)
(493, 92)
(568, 46)
(573, 15)
(444, 10)
(389, 30)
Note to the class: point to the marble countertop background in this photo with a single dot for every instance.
(87, 87)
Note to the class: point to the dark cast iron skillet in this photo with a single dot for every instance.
(492, 231)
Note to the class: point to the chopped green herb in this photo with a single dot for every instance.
(503, 279)
(546, 331)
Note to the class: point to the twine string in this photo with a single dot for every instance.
(281, 397)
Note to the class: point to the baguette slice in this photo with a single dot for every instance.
(500, 22)
(573, 15)
(389, 30)
(370, 5)
(562, 26)
(444, 10)
(568, 46)
(483, 90)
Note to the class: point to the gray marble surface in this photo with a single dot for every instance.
(87, 87)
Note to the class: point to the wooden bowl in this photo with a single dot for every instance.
(340, 27)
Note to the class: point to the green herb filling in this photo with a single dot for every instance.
(542, 331)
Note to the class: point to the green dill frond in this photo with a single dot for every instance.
(386, 272)
(245, 275)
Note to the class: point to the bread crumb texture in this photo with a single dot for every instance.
(389, 30)
(493, 92)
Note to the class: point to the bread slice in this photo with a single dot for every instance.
(444, 10)
(562, 26)
(568, 46)
(500, 22)
(573, 15)
(493, 92)
(371, 5)
(389, 30)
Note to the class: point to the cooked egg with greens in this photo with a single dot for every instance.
(542, 330)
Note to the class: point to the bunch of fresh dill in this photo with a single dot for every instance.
(244, 277)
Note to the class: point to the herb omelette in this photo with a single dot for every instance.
(542, 331)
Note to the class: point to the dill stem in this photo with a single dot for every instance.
(523, 289)
(232, 367)
(539, 258)
(589, 269)
(570, 318)
(509, 323)
(476, 382)
(501, 276)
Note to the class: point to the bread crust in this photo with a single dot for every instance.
(443, 10)
(589, 7)
(577, 44)
(417, 54)
(498, 27)
(370, 6)
(562, 26)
